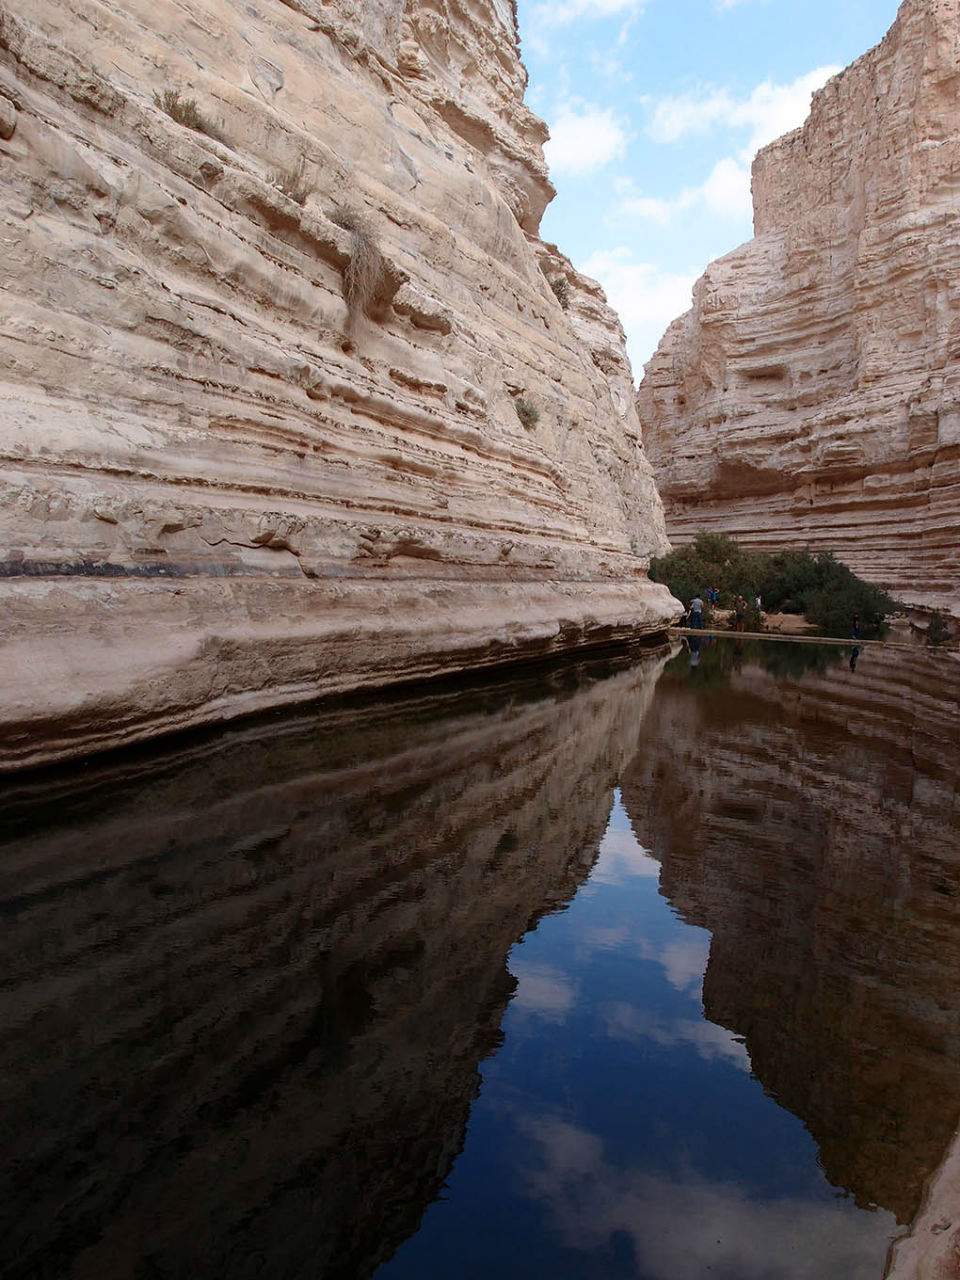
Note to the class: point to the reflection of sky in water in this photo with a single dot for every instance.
(620, 1134)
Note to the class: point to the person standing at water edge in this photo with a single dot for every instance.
(696, 613)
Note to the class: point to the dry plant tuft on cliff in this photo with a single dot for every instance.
(183, 110)
(293, 182)
(528, 413)
(561, 290)
(362, 274)
(939, 631)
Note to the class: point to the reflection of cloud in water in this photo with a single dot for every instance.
(685, 962)
(626, 1022)
(605, 938)
(542, 990)
(622, 856)
(686, 1226)
(569, 1151)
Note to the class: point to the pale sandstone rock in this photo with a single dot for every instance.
(8, 118)
(812, 395)
(223, 488)
(932, 1249)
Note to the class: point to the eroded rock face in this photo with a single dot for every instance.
(811, 397)
(288, 403)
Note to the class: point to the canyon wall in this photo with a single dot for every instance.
(289, 403)
(811, 397)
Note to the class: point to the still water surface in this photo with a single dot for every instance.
(641, 968)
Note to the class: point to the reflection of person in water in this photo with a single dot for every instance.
(694, 651)
(854, 655)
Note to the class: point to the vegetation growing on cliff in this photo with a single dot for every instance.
(938, 631)
(527, 412)
(294, 183)
(817, 586)
(183, 110)
(363, 272)
(561, 290)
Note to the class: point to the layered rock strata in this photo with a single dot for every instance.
(810, 825)
(811, 397)
(288, 401)
(247, 986)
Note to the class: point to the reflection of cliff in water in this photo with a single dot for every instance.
(247, 986)
(812, 827)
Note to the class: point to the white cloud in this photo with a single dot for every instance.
(559, 14)
(769, 111)
(654, 208)
(583, 139)
(725, 193)
(608, 67)
(645, 297)
(676, 118)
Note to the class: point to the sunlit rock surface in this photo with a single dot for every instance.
(829, 877)
(247, 986)
(811, 397)
(288, 402)
(932, 1249)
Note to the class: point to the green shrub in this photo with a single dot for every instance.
(754, 618)
(938, 632)
(711, 560)
(839, 594)
(818, 586)
(785, 579)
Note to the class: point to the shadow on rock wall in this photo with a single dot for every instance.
(811, 827)
(248, 985)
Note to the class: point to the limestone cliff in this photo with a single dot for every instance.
(288, 403)
(811, 397)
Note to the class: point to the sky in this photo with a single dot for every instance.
(656, 109)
